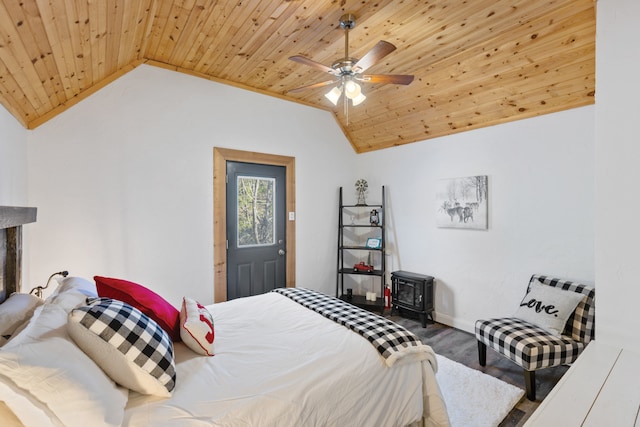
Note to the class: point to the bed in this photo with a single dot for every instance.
(276, 362)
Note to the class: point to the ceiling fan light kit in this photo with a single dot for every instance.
(358, 99)
(334, 95)
(352, 89)
(347, 72)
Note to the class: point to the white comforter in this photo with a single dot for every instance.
(279, 364)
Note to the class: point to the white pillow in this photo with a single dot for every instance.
(129, 346)
(17, 309)
(196, 327)
(72, 292)
(79, 284)
(48, 368)
(548, 307)
(66, 299)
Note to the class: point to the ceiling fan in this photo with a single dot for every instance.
(347, 72)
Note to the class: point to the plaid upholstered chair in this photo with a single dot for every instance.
(532, 347)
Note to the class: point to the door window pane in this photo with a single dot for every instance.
(256, 211)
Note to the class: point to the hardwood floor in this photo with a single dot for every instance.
(462, 347)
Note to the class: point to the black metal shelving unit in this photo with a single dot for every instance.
(355, 244)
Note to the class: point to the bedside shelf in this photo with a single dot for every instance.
(363, 273)
(362, 206)
(360, 248)
(362, 302)
(350, 247)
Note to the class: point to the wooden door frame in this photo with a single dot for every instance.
(220, 158)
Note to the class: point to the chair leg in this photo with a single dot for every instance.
(530, 383)
(482, 353)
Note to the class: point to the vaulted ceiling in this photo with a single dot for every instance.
(476, 63)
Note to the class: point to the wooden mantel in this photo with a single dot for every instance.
(12, 216)
(12, 219)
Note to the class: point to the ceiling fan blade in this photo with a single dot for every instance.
(314, 85)
(398, 79)
(311, 63)
(379, 51)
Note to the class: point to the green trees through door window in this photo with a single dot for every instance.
(256, 211)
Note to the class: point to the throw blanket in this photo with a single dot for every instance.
(391, 340)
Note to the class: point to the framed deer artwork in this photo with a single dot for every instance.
(462, 202)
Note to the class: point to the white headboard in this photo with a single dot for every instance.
(11, 221)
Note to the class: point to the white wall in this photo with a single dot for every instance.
(617, 173)
(541, 202)
(123, 183)
(142, 129)
(13, 161)
(13, 171)
(124, 180)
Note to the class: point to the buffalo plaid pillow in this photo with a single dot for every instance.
(129, 346)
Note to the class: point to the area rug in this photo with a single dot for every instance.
(474, 399)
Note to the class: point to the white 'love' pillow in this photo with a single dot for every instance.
(548, 307)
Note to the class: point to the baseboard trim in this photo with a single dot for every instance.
(461, 324)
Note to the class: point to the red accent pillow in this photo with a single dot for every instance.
(196, 327)
(145, 300)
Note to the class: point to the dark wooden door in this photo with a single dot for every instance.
(256, 237)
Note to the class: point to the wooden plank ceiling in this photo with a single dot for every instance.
(476, 63)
